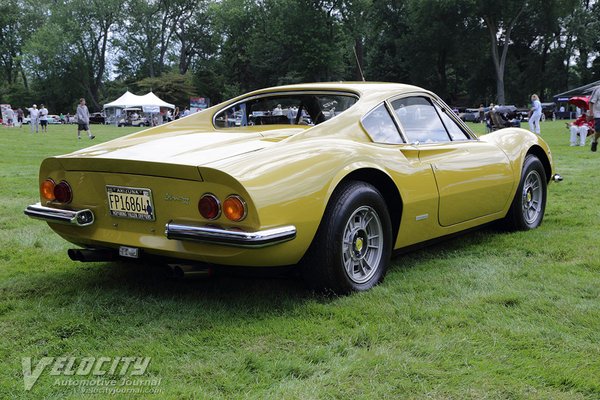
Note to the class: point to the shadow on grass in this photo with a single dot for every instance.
(230, 290)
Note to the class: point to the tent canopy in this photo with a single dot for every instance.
(128, 100)
(584, 90)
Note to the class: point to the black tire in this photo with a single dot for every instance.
(352, 248)
(528, 207)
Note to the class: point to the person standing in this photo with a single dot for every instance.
(20, 117)
(10, 117)
(34, 118)
(595, 115)
(535, 114)
(83, 119)
(277, 110)
(43, 118)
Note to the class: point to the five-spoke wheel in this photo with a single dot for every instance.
(528, 206)
(353, 245)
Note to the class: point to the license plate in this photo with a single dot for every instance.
(131, 252)
(127, 202)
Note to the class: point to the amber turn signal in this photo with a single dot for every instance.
(234, 208)
(47, 189)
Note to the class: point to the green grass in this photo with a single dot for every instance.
(488, 315)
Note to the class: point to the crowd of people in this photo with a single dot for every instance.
(38, 118)
(586, 124)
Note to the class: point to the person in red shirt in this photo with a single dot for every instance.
(581, 126)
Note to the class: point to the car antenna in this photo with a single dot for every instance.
(358, 64)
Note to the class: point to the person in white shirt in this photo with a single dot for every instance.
(43, 118)
(535, 114)
(34, 118)
(10, 117)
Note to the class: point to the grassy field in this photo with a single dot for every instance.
(488, 315)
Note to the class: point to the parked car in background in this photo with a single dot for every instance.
(548, 111)
(54, 119)
(471, 115)
(392, 167)
(97, 118)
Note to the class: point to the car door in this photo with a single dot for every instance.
(474, 178)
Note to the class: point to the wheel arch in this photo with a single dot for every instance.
(543, 157)
(386, 186)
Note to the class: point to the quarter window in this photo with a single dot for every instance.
(380, 126)
(420, 121)
(454, 130)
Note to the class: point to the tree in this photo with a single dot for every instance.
(18, 22)
(172, 87)
(87, 25)
(500, 19)
(386, 59)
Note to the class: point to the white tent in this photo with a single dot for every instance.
(129, 99)
(126, 100)
(149, 103)
(152, 99)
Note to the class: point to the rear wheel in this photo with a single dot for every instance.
(352, 248)
(528, 207)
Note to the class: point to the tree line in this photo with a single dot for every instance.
(467, 51)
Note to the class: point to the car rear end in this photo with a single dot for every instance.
(137, 209)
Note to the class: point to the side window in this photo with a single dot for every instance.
(420, 121)
(455, 131)
(380, 126)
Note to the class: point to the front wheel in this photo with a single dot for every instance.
(352, 248)
(528, 207)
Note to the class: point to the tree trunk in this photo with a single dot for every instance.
(500, 60)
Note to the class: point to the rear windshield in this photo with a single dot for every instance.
(298, 108)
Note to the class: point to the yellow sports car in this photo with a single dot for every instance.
(329, 177)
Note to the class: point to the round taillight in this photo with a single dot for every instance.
(63, 192)
(47, 189)
(234, 208)
(209, 206)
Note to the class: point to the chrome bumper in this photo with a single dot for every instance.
(78, 218)
(209, 234)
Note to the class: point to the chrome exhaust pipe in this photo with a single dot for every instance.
(90, 255)
(557, 178)
(189, 271)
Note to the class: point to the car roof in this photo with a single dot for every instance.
(371, 90)
(353, 86)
